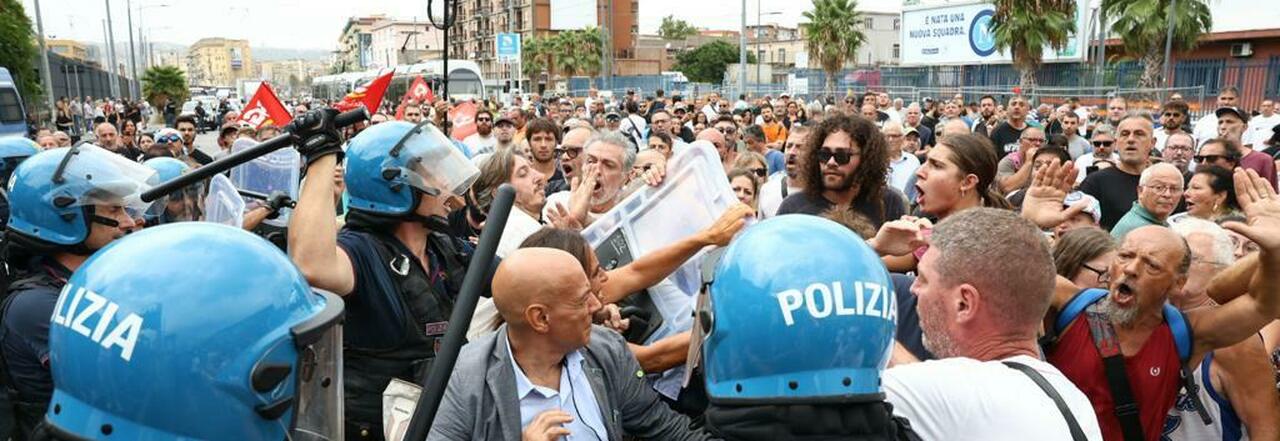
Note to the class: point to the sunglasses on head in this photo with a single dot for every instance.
(842, 157)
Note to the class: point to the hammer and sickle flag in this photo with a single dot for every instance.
(264, 108)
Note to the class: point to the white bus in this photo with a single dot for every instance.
(465, 81)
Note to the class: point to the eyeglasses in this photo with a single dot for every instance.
(1103, 143)
(725, 130)
(568, 152)
(1102, 273)
(1208, 158)
(1164, 189)
(1034, 140)
(761, 172)
(842, 157)
(484, 120)
(1178, 148)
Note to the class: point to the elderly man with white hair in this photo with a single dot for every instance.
(1159, 191)
(1235, 383)
(902, 165)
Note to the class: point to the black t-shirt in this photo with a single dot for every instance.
(1005, 138)
(1115, 190)
(201, 157)
(909, 332)
(894, 203)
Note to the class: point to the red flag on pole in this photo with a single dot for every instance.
(264, 108)
(419, 91)
(369, 95)
(463, 117)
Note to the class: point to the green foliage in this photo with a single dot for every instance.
(161, 84)
(707, 63)
(19, 52)
(675, 29)
(1143, 25)
(1025, 27)
(832, 36)
(571, 52)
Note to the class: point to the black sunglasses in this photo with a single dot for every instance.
(761, 172)
(1103, 143)
(1208, 158)
(842, 157)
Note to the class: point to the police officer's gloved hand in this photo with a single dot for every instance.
(278, 201)
(315, 135)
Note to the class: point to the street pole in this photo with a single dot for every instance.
(1168, 45)
(133, 60)
(742, 52)
(111, 50)
(47, 77)
(757, 45)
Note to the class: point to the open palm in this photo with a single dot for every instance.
(1261, 206)
(1050, 186)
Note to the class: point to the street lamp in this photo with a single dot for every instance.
(760, 59)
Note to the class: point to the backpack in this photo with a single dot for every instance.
(1126, 408)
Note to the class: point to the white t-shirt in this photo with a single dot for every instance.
(1205, 129)
(901, 169)
(967, 399)
(770, 197)
(562, 198)
(480, 144)
(1259, 130)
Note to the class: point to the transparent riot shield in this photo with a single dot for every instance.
(277, 171)
(223, 205)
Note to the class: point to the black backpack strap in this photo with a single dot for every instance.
(1074, 426)
(1108, 346)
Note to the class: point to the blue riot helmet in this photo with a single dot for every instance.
(53, 195)
(136, 353)
(13, 150)
(184, 204)
(816, 325)
(389, 167)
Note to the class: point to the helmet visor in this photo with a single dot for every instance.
(103, 178)
(432, 164)
(185, 204)
(319, 391)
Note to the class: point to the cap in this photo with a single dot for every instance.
(680, 107)
(1093, 208)
(229, 128)
(503, 119)
(612, 115)
(1244, 116)
(908, 130)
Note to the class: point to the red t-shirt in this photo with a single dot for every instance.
(1153, 377)
(1261, 163)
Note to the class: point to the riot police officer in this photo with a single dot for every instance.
(795, 347)
(241, 350)
(13, 150)
(65, 204)
(399, 274)
(184, 204)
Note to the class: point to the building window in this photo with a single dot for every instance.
(897, 24)
(897, 51)
(868, 23)
(760, 56)
(782, 55)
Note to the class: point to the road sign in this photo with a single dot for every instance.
(508, 47)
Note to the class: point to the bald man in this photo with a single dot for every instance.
(728, 154)
(548, 373)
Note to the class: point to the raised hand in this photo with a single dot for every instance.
(580, 197)
(901, 236)
(1049, 187)
(1261, 206)
(730, 223)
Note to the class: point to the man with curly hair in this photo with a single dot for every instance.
(847, 158)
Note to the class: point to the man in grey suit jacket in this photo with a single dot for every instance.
(544, 297)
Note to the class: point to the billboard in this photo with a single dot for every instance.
(573, 14)
(961, 34)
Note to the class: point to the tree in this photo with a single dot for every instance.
(1025, 27)
(162, 84)
(1143, 25)
(673, 28)
(579, 51)
(537, 54)
(832, 36)
(19, 52)
(707, 63)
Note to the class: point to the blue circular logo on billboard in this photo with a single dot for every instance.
(981, 40)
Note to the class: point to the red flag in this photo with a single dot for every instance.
(419, 91)
(369, 95)
(463, 117)
(264, 108)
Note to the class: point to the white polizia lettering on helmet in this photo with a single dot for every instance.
(94, 316)
(821, 300)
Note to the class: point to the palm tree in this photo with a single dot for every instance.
(1025, 27)
(1143, 25)
(579, 51)
(162, 84)
(832, 36)
(538, 55)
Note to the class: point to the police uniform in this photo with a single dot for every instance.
(397, 315)
(24, 341)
